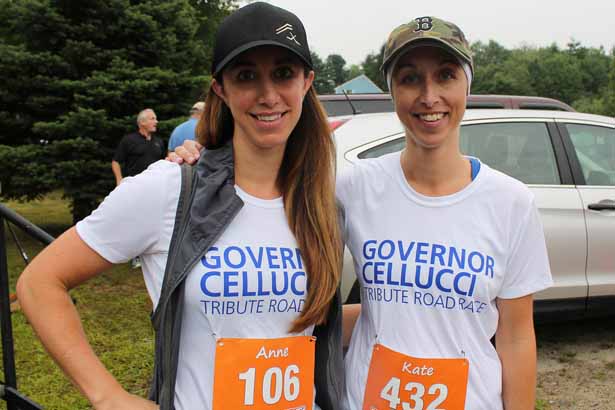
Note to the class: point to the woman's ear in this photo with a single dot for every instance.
(309, 79)
(218, 89)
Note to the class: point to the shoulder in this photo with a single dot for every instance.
(507, 203)
(158, 172)
(181, 126)
(131, 136)
(366, 168)
(153, 190)
(504, 187)
(137, 216)
(366, 173)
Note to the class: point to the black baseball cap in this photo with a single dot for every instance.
(259, 24)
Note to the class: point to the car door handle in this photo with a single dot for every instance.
(604, 205)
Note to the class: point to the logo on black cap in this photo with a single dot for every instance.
(291, 36)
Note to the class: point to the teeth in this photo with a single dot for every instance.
(272, 117)
(431, 117)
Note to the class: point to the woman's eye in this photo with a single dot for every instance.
(246, 75)
(409, 78)
(447, 74)
(284, 72)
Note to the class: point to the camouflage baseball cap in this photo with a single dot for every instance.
(425, 30)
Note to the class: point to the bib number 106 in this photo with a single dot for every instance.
(275, 384)
(390, 393)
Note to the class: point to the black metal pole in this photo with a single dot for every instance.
(8, 354)
(23, 403)
(27, 226)
(24, 255)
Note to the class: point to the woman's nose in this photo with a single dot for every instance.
(429, 93)
(269, 95)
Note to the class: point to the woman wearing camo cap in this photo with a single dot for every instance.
(447, 250)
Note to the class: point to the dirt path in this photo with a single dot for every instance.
(576, 365)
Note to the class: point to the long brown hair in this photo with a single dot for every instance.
(307, 181)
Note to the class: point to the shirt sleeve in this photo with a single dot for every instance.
(120, 152)
(527, 268)
(135, 217)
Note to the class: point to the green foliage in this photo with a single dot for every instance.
(26, 172)
(335, 69)
(371, 68)
(76, 73)
(322, 83)
(577, 75)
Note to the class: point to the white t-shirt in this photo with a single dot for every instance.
(250, 284)
(431, 269)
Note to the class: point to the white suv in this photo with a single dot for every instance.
(568, 161)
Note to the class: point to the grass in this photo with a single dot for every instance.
(541, 405)
(114, 308)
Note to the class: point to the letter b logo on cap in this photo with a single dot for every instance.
(423, 24)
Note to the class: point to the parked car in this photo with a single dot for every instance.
(352, 104)
(568, 161)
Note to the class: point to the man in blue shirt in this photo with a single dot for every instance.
(186, 130)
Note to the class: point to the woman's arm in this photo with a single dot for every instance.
(350, 314)
(515, 343)
(43, 294)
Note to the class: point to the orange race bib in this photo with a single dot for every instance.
(263, 374)
(397, 381)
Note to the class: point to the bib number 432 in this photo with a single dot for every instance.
(276, 383)
(416, 398)
(397, 381)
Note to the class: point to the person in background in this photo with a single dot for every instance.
(187, 129)
(139, 149)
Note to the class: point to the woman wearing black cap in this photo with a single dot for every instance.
(257, 265)
(448, 251)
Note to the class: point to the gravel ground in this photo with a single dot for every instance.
(576, 365)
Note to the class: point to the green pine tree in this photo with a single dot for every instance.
(76, 75)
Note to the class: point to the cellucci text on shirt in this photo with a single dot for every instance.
(442, 276)
(248, 280)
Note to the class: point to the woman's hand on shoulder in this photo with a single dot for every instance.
(126, 401)
(188, 152)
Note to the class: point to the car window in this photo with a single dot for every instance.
(521, 150)
(362, 106)
(337, 107)
(383, 149)
(595, 148)
(371, 106)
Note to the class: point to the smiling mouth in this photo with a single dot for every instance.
(268, 117)
(431, 117)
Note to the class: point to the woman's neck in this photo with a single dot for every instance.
(256, 170)
(436, 172)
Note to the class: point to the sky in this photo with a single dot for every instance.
(354, 28)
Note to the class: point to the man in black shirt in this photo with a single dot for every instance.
(139, 149)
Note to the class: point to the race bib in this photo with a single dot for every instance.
(260, 374)
(397, 381)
